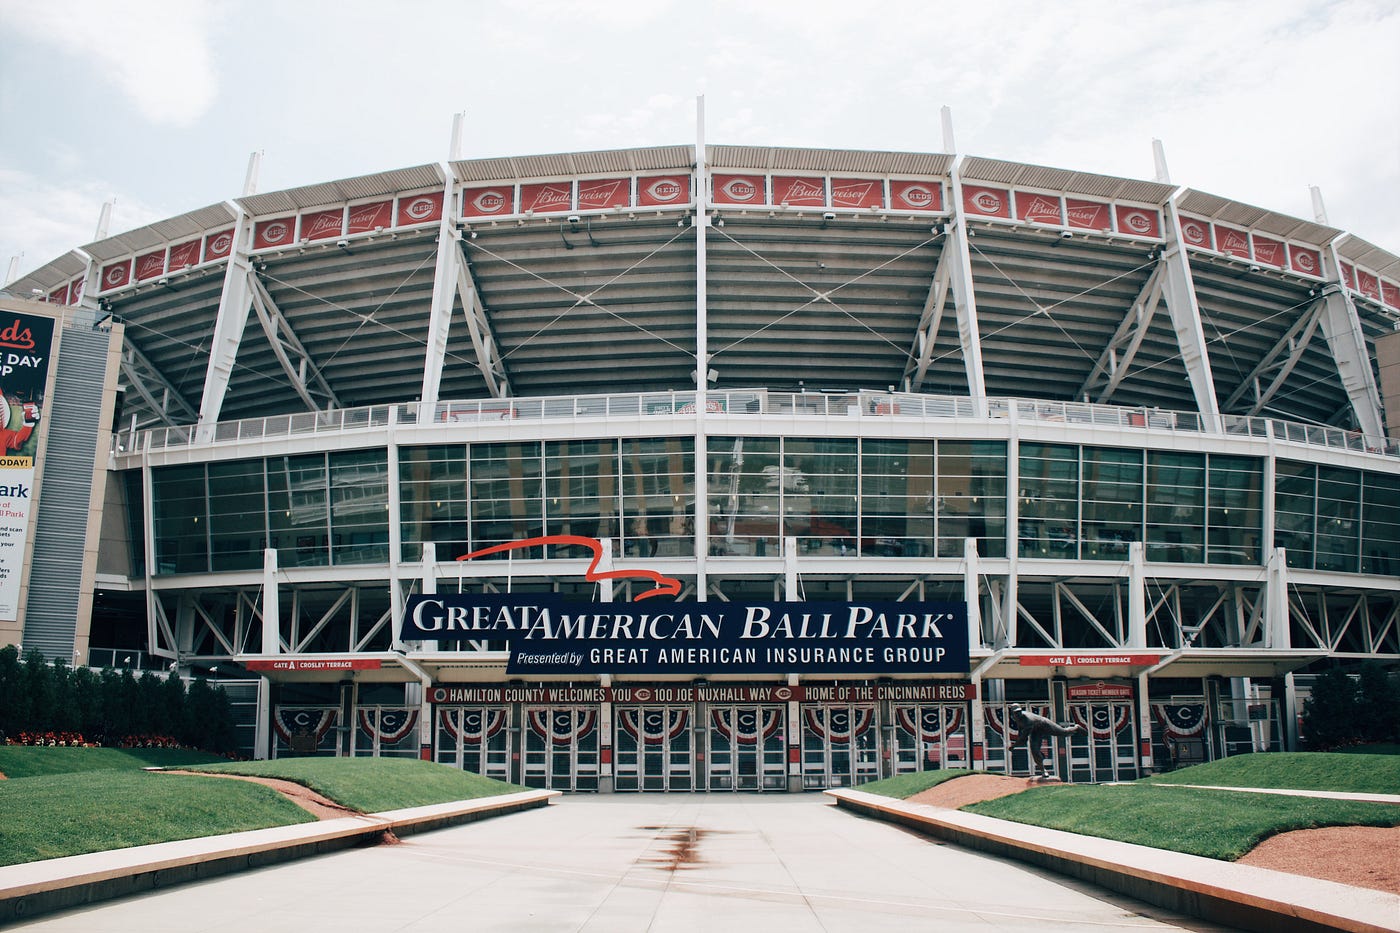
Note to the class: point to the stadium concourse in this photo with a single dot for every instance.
(736, 468)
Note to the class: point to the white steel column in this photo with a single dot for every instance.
(790, 591)
(702, 357)
(1341, 328)
(972, 572)
(271, 608)
(449, 257)
(235, 303)
(961, 281)
(1136, 635)
(1276, 617)
(1185, 315)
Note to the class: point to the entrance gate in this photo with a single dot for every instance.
(475, 738)
(1105, 748)
(386, 731)
(561, 747)
(745, 749)
(930, 736)
(653, 748)
(839, 745)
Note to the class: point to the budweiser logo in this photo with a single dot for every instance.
(740, 189)
(1267, 252)
(221, 244)
(550, 197)
(1091, 215)
(852, 195)
(150, 265)
(664, 189)
(1137, 222)
(1234, 241)
(362, 218)
(1194, 233)
(988, 202)
(598, 194)
(1041, 206)
(276, 232)
(184, 255)
(916, 196)
(115, 275)
(802, 190)
(323, 224)
(420, 208)
(490, 202)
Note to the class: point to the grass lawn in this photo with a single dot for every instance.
(1337, 771)
(1214, 823)
(53, 815)
(902, 786)
(22, 761)
(373, 785)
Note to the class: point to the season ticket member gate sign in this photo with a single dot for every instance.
(551, 635)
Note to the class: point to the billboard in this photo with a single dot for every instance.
(26, 341)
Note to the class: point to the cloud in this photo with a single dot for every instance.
(156, 52)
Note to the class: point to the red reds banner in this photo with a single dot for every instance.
(184, 255)
(1087, 215)
(1195, 232)
(366, 218)
(75, 292)
(150, 265)
(1038, 208)
(739, 189)
(1138, 221)
(1304, 260)
(419, 208)
(218, 245)
(279, 232)
(116, 275)
(662, 190)
(916, 196)
(1368, 284)
(601, 193)
(551, 197)
(987, 202)
(1232, 242)
(1390, 293)
(1267, 251)
(322, 225)
(491, 201)
(799, 191)
(857, 193)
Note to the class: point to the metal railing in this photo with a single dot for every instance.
(743, 402)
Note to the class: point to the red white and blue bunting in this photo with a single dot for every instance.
(387, 724)
(1108, 719)
(929, 725)
(746, 725)
(315, 721)
(562, 726)
(839, 723)
(653, 725)
(473, 725)
(1181, 720)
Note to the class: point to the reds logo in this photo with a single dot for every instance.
(643, 694)
(1194, 233)
(664, 189)
(782, 693)
(221, 244)
(917, 196)
(1305, 261)
(116, 275)
(276, 232)
(490, 202)
(420, 208)
(1138, 222)
(988, 202)
(740, 189)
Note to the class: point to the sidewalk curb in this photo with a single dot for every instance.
(1221, 892)
(34, 888)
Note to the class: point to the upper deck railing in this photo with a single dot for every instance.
(742, 402)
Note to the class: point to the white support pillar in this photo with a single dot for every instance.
(1276, 618)
(1341, 328)
(963, 295)
(605, 565)
(790, 591)
(972, 571)
(449, 258)
(262, 732)
(1137, 598)
(428, 584)
(235, 303)
(1144, 711)
(702, 356)
(271, 609)
(1185, 312)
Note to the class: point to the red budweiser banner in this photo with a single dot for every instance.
(490, 201)
(857, 193)
(419, 208)
(602, 193)
(1232, 242)
(1368, 284)
(116, 274)
(1390, 293)
(184, 255)
(661, 190)
(1138, 221)
(1304, 260)
(799, 191)
(739, 189)
(987, 202)
(150, 265)
(1087, 215)
(268, 233)
(1195, 232)
(1038, 208)
(551, 197)
(916, 196)
(365, 218)
(1267, 251)
(322, 225)
(218, 245)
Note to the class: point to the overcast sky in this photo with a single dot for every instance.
(158, 104)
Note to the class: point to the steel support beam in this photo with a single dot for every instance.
(449, 256)
(1341, 327)
(296, 362)
(1111, 367)
(1185, 313)
(488, 354)
(1295, 341)
(921, 357)
(961, 281)
(235, 302)
(165, 401)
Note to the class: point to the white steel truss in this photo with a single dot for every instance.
(1341, 327)
(296, 362)
(1186, 320)
(1117, 358)
(165, 402)
(488, 355)
(930, 320)
(1279, 361)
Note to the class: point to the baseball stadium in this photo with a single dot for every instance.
(726, 468)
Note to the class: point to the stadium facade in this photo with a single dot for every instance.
(775, 468)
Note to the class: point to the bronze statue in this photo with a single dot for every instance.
(1036, 727)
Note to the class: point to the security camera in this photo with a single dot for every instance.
(828, 215)
(1065, 235)
(574, 218)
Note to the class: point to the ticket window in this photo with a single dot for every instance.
(561, 747)
(475, 738)
(745, 748)
(839, 745)
(930, 737)
(653, 748)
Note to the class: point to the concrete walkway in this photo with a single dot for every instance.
(723, 862)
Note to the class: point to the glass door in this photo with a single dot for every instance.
(745, 748)
(653, 749)
(561, 747)
(1105, 747)
(930, 736)
(475, 738)
(839, 747)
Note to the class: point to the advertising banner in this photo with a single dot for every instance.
(916, 196)
(1038, 208)
(365, 218)
(857, 193)
(25, 342)
(322, 225)
(799, 191)
(601, 193)
(184, 255)
(1087, 215)
(550, 635)
(1268, 251)
(150, 265)
(661, 190)
(1232, 242)
(552, 197)
(987, 202)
